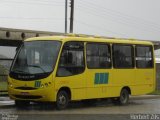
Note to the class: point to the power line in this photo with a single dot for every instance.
(44, 2)
(48, 1)
(122, 15)
(32, 3)
(122, 19)
(98, 27)
(35, 1)
(31, 18)
(103, 16)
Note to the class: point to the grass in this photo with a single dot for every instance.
(156, 92)
(3, 86)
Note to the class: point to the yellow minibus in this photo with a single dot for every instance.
(68, 68)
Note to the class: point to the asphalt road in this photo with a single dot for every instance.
(101, 110)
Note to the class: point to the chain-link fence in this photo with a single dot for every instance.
(158, 76)
(4, 70)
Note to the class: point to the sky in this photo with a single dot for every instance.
(138, 19)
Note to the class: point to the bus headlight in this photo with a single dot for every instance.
(45, 85)
(42, 86)
(10, 84)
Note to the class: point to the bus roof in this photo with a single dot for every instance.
(66, 38)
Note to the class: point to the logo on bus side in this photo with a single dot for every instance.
(101, 78)
(37, 84)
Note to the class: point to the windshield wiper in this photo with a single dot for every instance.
(37, 67)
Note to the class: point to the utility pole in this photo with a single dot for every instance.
(66, 16)
(71, 15)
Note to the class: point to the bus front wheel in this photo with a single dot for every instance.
(62, 100)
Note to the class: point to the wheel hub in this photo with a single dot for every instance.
(62, 100)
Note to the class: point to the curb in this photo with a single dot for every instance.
(141, 97)
(5, 99)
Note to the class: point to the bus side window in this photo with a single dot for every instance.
(72, 59)
(98, 56)
(144, 56)
(123, 56)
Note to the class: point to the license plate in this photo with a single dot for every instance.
(25, 93)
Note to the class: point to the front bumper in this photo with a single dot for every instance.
(41, 94)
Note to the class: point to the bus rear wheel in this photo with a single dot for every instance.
(124, 97)
(62, 100)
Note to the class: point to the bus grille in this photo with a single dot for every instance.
(27, 97)
(25, 88)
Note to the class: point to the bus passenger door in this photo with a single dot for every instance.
(124, 67)
(70, 72)
(98, 72)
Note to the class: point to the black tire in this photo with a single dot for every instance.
(124, 97)
(21, 103)
(62, 100)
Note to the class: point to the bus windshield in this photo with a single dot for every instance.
(36, 57)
